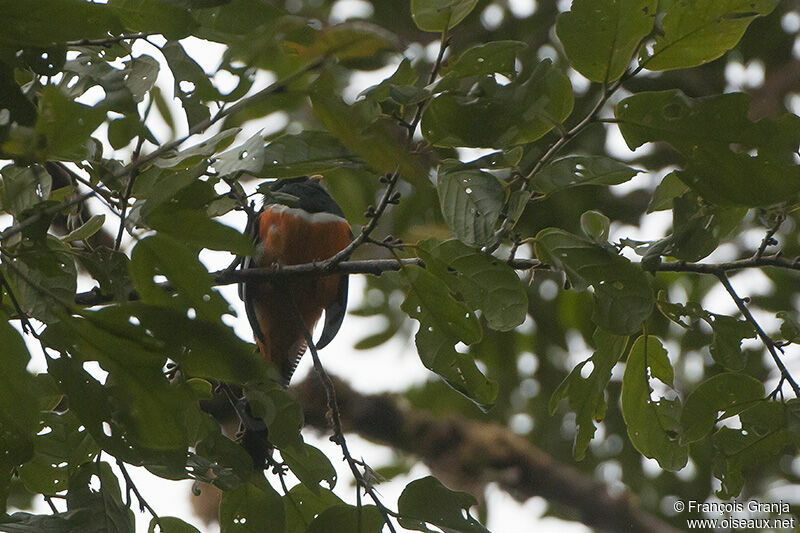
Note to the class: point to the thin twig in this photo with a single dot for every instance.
(766, 339)
(50, 503)
(126, 196)
(131, 486)
(389, 197)
(338, 435)
(768, 239)
(108, 41)
(27, 327)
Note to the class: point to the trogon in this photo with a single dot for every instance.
(283, 311)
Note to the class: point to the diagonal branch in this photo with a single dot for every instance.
(457, 448)
(766, 339)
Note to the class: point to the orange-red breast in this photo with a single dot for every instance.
(281, 311)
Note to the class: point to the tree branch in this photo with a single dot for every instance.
(766, 339)
(108, 41)
(457, 448)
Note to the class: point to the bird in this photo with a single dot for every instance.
(283, 312)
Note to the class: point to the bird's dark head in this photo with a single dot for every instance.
(311, 195)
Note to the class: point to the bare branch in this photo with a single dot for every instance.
(457, 448)
(766, 339)
(108, 41)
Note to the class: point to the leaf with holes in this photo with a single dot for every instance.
(728, 393)
(443, 323)
(163, 255)
(763, 435)
(623, 297)
(305, 154)
(483, 281)
(648, 429)
(726, 346)
(586, 395)
(575, 170)
(491, 115)
(695, 32)
(601, 36)
(249, 157)
(730, 160)
(471, 202)
(488, 58)
(253, 507)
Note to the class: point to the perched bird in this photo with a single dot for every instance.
(281, 312)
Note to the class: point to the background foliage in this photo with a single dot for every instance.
(544, 267)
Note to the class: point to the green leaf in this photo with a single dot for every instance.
(338, 518)
(77, 520)
(311, 466)
(346, 41)
(195, 227)
(601, 36)
(644, 416)
(438, 15)
(576, 170)
(57, 453)
(727, 392)
(762, 437)
(170, 524)
(62, 128)
(488, 58)
(595, 225)
(499, 116)
(45, 278)
(189, 157)
(731, 160)
(55, 21)
(154, 16)
(248, 157)
(671, 187)
(726, 347)
(253, 507)
(471, 202)
(623, 298)
(302, 506)
(695, 32)
(304, 154)
(483, 281)
(403, 76)
(169, 257)
(587, 394)
(282, 414)
(194, 343)
(19, 415)
(443, 323)
(105, 504)
(92, 226)
(790, 326)
(192, 85)
(427, 500)
(374, 141)
(698, 228)
(109, 269)
(22, 187)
